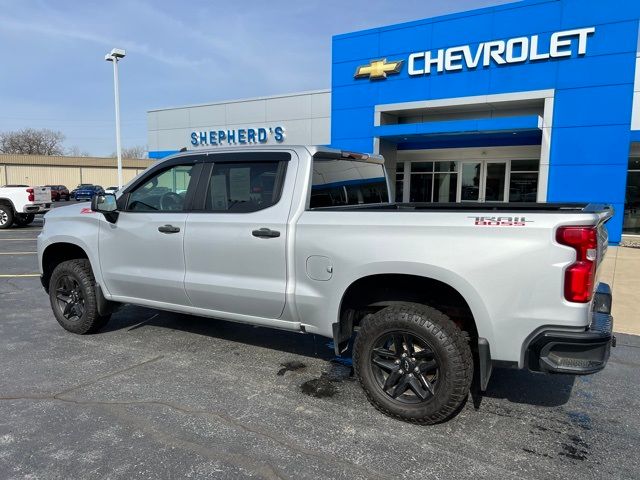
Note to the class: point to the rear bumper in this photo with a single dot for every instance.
(578, 353)
(37, 208)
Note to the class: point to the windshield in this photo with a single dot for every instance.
(347, 182)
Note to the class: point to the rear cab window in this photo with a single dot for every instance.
(242, 182)
(337, 182)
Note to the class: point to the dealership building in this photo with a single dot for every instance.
(537, 100)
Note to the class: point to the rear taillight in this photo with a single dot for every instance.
(32, 197)
(580, 275)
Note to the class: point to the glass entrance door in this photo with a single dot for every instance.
(471, 183)
(483, 181)
(495, 182)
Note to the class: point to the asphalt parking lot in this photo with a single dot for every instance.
(160, 395)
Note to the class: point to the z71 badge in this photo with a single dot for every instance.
(501, 221)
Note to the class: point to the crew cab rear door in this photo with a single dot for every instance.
(236, 235)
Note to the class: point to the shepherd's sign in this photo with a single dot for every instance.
(241, 136)
(500, 52)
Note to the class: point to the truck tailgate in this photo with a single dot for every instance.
(41, 195)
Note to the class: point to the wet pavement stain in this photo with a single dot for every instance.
(319, 387)
(572, 452)
(290, 366)
(326, 385)
(582, 420)
(577, 449)
(533, 452)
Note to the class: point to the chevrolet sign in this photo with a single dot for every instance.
(378, 69)
(498, 52)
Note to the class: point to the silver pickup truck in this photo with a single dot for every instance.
(307, 239)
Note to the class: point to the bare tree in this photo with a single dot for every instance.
(137, 151)
(31, 141)
(75, 151)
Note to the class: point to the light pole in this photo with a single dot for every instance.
(113, 56)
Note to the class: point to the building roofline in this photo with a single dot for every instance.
(241, 100)
(62, 161)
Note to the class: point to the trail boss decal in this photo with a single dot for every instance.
(501, 221)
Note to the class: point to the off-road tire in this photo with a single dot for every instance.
(24, 219)
(448, 343)
(90, 321)
(6, 216)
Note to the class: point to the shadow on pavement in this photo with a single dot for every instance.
(523, 386)
(516, 386)
(132, 318)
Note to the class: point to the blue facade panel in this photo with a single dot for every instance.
(594, 145)
(158, 154)
(589, 106)
(593, 91)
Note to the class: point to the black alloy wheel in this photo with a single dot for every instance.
(70, 298)
(413, 363)
(72, 293)
(405, 367)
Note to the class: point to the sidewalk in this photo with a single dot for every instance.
(621, 270)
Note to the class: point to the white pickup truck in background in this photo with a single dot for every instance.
(20, 203)
(306, 239)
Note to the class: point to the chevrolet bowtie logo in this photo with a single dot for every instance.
(378, 69)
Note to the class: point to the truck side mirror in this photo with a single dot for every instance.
(106, 204)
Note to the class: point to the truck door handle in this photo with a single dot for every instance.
(168, 229)
(266, 233)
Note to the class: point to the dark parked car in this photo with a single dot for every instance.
(88, 192)
(59, 192)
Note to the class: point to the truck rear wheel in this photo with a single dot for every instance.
(6, 216)
(413, 363)
(72, 294)
(23, 219)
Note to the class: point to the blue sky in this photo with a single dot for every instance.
(54, 74)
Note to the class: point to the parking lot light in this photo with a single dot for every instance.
(113, 56)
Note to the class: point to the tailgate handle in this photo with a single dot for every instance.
(168, 229)
(266, 233)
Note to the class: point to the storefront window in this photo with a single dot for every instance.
(632, 198)
(471, 172)
(523, 184)
(433, 182)
(469, 181)
(399, 181)
(496, 176)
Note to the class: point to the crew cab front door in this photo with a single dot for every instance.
(141, 254)
(236, 236)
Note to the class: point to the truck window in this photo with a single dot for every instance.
(244, 187)
(165, 191)
(347, 182)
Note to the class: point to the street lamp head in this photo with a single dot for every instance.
(115, 54)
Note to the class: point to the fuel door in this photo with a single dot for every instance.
(319, 268)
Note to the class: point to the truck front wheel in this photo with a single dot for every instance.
(6, 216)
(413, 363)
(72, 294)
